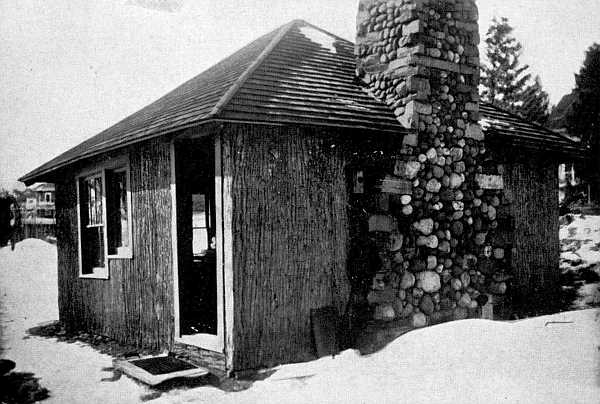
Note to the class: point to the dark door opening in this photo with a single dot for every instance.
(196, 237)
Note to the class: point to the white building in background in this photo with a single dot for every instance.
(39, 206)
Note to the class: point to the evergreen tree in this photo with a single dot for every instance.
(584, 121)
(506, 83)
(536, 103)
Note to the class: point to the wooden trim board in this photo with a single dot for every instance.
(225, 221)
(174, 253)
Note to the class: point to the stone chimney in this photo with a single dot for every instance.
(420, 57)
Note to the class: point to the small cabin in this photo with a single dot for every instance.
(212, 222)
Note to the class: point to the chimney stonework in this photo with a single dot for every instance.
(420, 57)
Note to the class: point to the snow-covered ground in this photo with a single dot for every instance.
(553, 359)
(580, 242)
(580, 255)
(72, 372)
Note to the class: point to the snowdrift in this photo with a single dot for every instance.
(552, 359)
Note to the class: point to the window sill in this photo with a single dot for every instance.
(120, 257)
(99, 273)
(122, 254)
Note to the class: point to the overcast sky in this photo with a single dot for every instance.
(71, 68)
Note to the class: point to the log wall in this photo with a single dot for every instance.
(134, 306)
(533, 187)
(289, 239)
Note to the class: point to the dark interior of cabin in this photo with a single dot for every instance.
(196, 236)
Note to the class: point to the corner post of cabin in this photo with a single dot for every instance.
(224, 217)
(174, 238)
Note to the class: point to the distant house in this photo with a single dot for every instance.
(294, 175)
(40, 204)
(38, 210)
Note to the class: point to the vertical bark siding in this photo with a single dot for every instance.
(534, 187)
(135, 306)
(289, 239)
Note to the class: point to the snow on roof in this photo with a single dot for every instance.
(325, 40)
(42, 187)
(487, 123)
(296, 74)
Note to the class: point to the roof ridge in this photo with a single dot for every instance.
(259, 84)
(233, 89)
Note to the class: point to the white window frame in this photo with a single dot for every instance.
(115, 165)
(97, 272)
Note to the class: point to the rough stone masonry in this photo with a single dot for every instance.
(420, 57)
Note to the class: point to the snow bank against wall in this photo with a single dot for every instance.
(552, 359)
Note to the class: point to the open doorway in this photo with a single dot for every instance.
(196, 224)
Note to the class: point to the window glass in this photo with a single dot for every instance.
(105, 228)
(200, 226)
(94, 201)
(92, 224)
(117, 212)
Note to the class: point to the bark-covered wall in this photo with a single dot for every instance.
(289, 238)
(135, 304)
(533, 188)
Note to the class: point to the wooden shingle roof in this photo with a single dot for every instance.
(504, 127)
(297, 74)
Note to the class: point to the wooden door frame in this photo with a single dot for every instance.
(215, 343)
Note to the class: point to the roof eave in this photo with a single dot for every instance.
(43, 175)
(35, 176)
(46, 175)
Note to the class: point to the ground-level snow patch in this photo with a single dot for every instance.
(72, 372)
(580, 259)
(552, 359)
(583, 227)
(580, 242)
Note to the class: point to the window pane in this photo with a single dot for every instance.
(89, 202)
(94, 202)
(92, 230)
(112, 212)
(199, 226)
(200, 241)
(117, 211)
(93, 249)
(123, 209)
(98, 201)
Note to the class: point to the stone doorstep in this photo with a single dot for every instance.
(136, 372)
